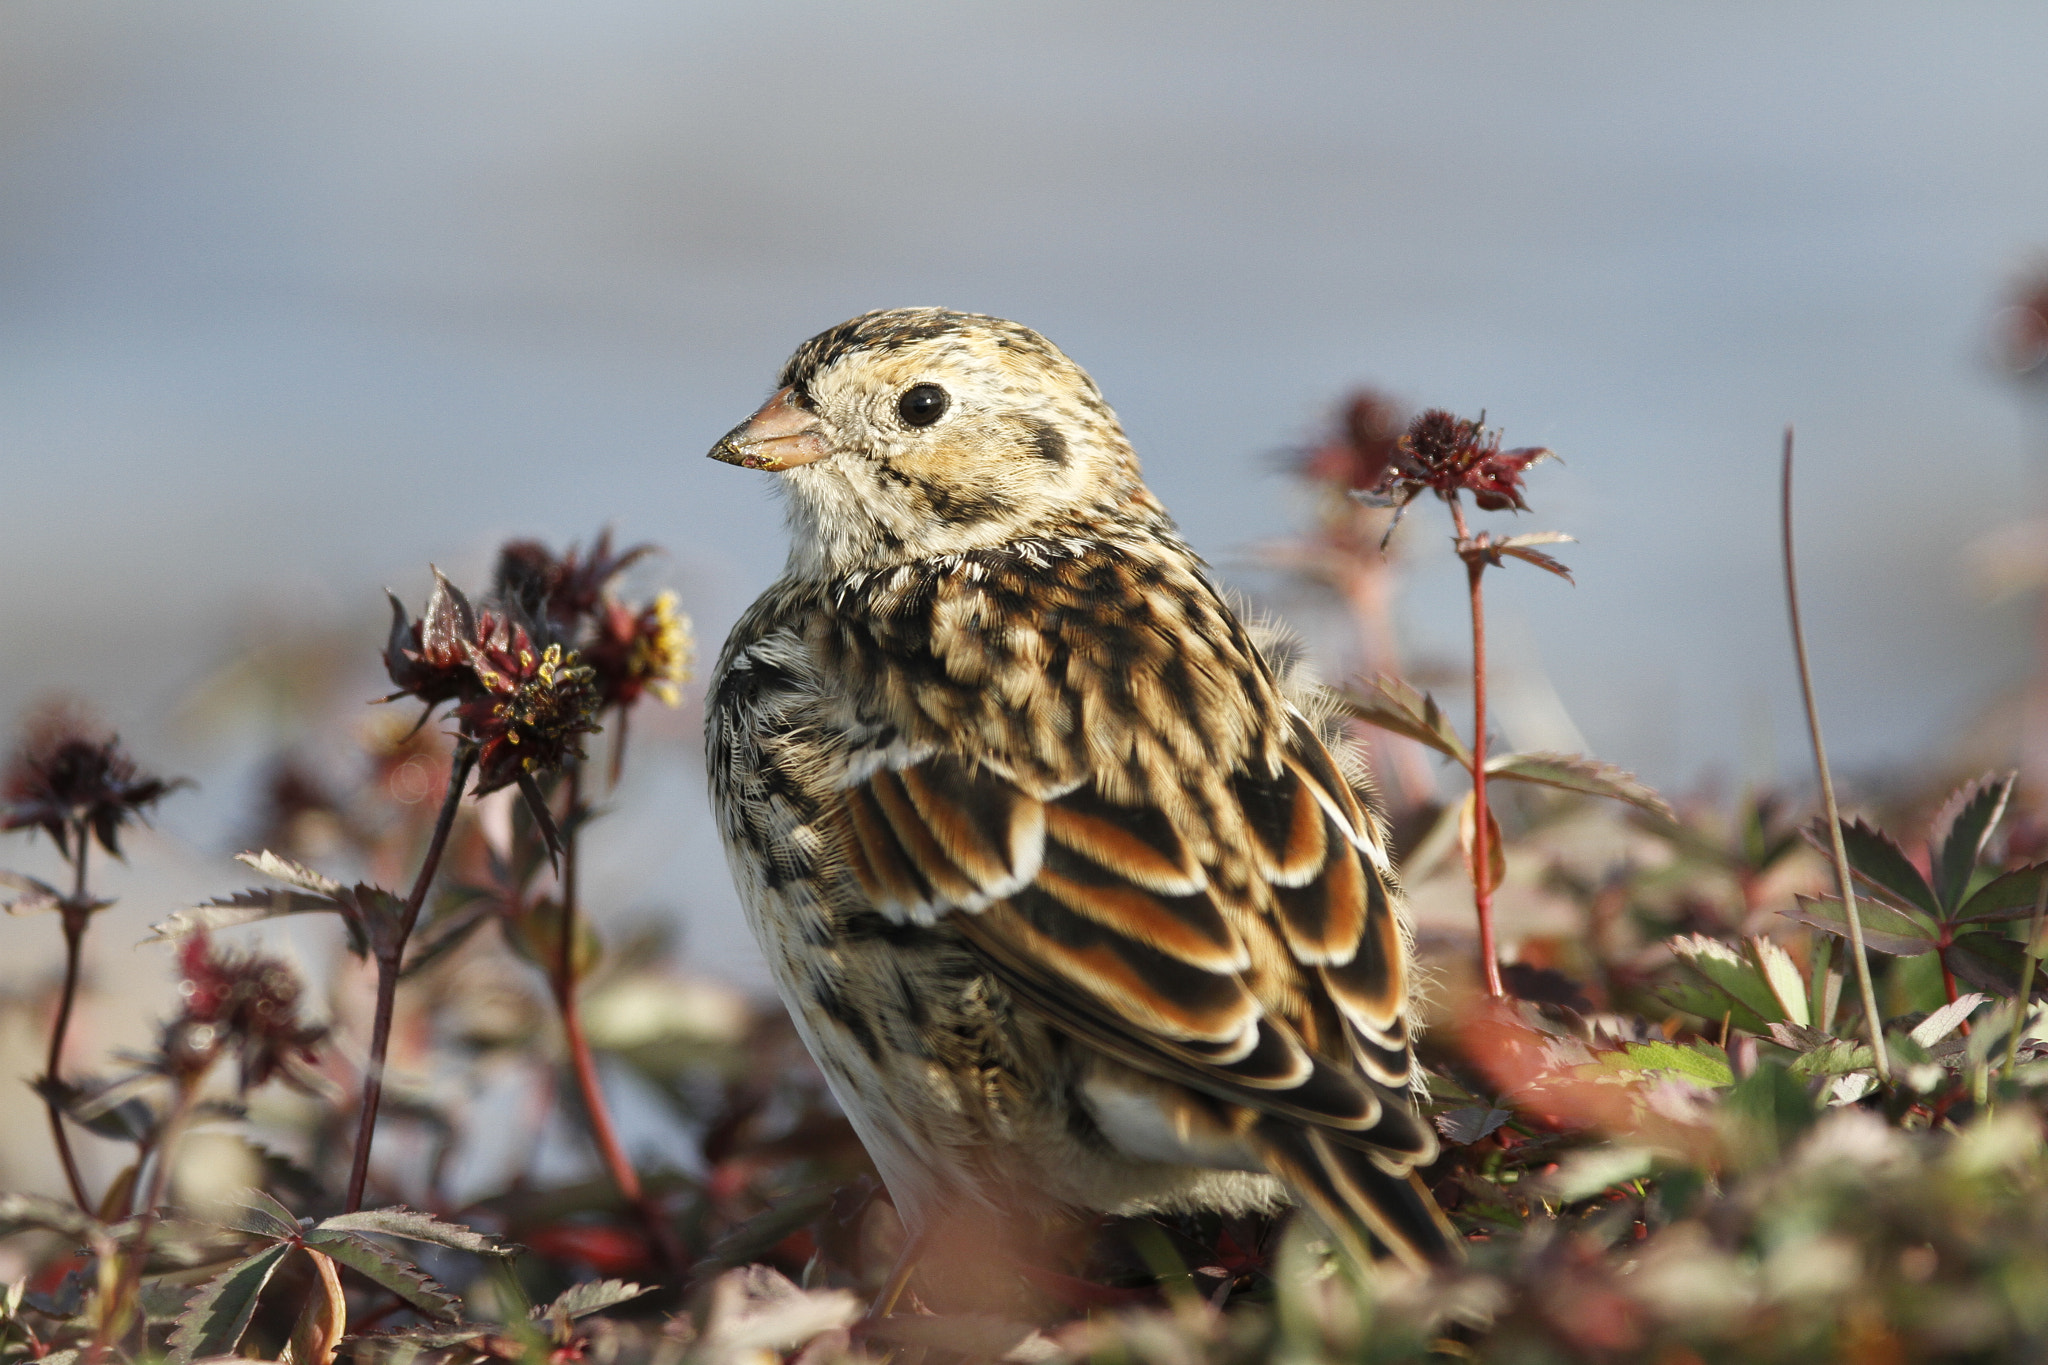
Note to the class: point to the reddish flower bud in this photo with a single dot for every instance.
(244, 1003)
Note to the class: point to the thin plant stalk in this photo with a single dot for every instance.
(390, 959)
(75, 915)
(2020, 1003)
(582, 1061)
(1827, 789)
(1482, 823)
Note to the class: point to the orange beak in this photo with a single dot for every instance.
(780, 436)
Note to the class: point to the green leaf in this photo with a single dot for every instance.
(1393, 705)
(387, 1268)
(219, 1314)
(1700, 1062)
(1735, 976)
(1578, 773)
(592, 1296)
(1835, 1057)
(2008, 896)
(399, 1221)
(1883, 864)
(1897, 932)
(1977, 810)
(1712, 1004)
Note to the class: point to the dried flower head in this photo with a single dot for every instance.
(244, 1003)
(68, 777)
(533, 707)
(1447, 454)
(640, 652)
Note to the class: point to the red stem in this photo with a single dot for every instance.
(390, 959)
(582, 1061)
(1482, 824)
(75, 919)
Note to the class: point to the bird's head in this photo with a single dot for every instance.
(913, 432)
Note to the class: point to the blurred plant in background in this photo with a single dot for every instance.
(1665, 1138)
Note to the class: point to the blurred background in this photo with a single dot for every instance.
(298, 299)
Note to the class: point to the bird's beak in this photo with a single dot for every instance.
(781, 435)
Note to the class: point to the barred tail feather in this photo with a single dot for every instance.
(1374, 1214)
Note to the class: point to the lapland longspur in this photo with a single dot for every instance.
(1063, 887)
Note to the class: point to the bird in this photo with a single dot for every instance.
(1063, 872)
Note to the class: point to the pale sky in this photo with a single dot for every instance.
(295, 299)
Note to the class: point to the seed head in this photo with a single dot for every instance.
(67, 775)
(1447, 454)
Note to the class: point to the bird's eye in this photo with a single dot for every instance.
(922, 404)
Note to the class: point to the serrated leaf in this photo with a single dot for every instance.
(1736, 977)
(164, 1300)
(1393, 705)
(213, 1324)
(1945, 1020)
(1699, 1062)
(1578, 773)
(387, 1268)
(244, 907)
(2008, 896)
(1470, 1123)
(592, 1296)
(262, 1216)
(1835, 1057)
(19, 1211)
(1536, 557)
(291, 873)
(1888, 930)
(1880, 863)
(1781, 974)
(414, 1226)
(1977, 810)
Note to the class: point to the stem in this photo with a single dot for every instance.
(1827, 789)
(1482, 831)
(114, 1322)
(390, 958)
(75, 919)
(581, 1060)
(2025, 998)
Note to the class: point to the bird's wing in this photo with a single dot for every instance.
(1246, 947)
